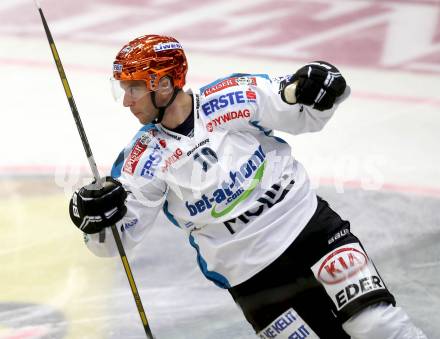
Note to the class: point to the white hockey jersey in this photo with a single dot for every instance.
(231, 186)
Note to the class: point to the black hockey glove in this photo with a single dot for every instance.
(319, 84)
(93, 209)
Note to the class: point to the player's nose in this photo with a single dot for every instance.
(128, 100)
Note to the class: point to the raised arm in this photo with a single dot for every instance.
(319, 89)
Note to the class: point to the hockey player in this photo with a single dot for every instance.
(208, 158)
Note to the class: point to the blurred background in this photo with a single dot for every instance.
(376, 161)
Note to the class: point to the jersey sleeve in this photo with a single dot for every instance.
(145, 199)
(274, 114)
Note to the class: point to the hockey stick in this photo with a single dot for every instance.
(94, 168)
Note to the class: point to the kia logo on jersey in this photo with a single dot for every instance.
(341, 264)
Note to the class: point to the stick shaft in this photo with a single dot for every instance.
(94, 169)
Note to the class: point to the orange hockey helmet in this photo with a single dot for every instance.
(149, 58)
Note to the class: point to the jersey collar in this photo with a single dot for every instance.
(177, 136)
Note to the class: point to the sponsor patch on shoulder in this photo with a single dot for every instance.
(135, 154)
(142, 143)
(230, 82)
(346, 274)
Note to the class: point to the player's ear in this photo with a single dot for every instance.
(165, 86)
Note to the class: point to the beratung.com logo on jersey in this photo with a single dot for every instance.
(230, 193)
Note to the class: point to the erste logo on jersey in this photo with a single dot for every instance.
(230, 82)
(225, 100)
(230, 192)
(138, 150)
(251, 95)
(225, 118)
(152, 162)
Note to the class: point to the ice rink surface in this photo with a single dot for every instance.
(376, 161)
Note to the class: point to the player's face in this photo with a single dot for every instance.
(138, 99)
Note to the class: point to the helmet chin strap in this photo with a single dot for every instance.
(162, 109)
